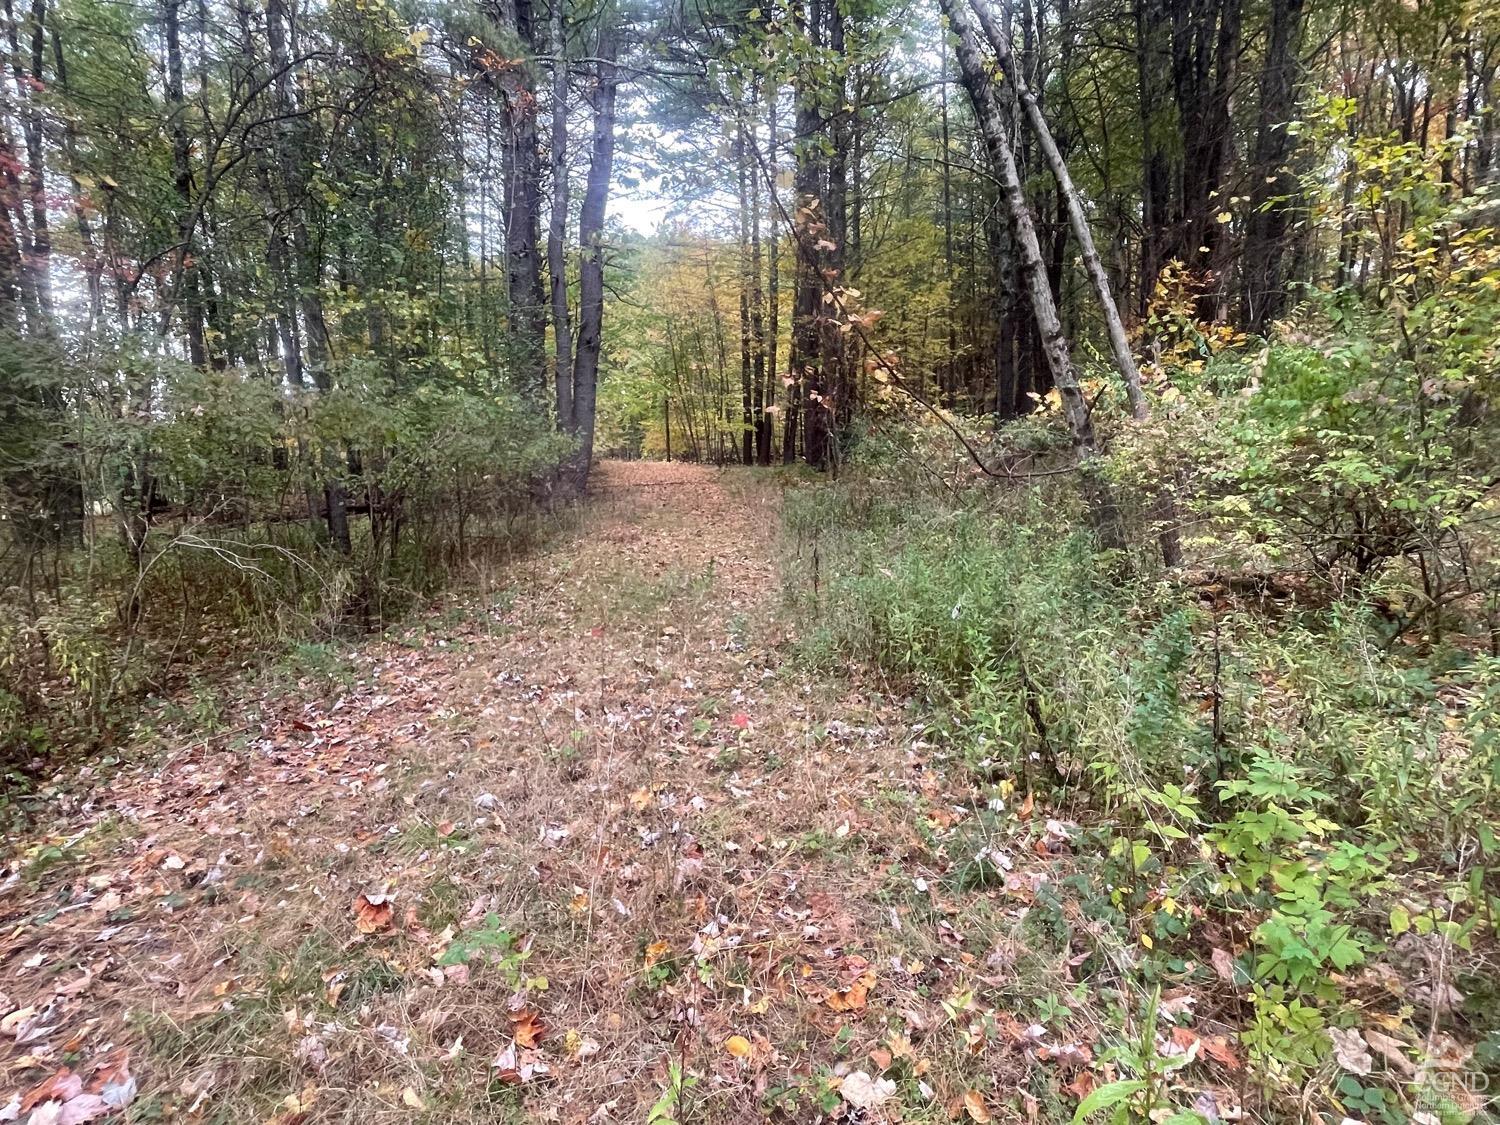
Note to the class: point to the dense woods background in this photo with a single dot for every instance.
(276, 281)
(1144, 351)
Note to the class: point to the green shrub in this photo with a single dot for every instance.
(1281, 764)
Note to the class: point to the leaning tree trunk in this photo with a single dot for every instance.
(1054, 344)
(1119, 342)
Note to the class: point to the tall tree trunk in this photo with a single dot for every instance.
(837, 375)
(37, 258)
(184, 289)
(10, 253)
(746, 281)
(1153, 62)
(314, 358)
(15, 300)
(1273, 182)
(528, 316)
(946, 159)
(1119, 342)
(773, 188)
(808, 365)
(557, 227)
(591, 270)
(762, 420)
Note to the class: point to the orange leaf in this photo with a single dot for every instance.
(373, 913)
(1082, 1085)
(656, 951)
(62, 1086)
(527, 1027)
(1218, 1048)
(974, 1106)
(738, 1046)
(852, 999)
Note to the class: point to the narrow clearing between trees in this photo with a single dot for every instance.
(569, 855)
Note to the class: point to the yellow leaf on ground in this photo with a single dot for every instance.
(974, 1106)
(656, 951)
(738, 1046)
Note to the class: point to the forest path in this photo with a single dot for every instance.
(623, 842)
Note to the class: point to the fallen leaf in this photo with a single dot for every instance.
(517, 1067)
(14, 1023)
(58, 1087)
(411, 1099)
(1392, 1050)
(83, 1108)
(1349, 1051)
(579, 1046)
(373, 914)
(1082, 1085)
(656, 951)
(1219, 1049)
(311, 1053)
(863, 1092)
(974, 1106)
(738, 1046)
(112, 1079)
(527, 1026)
(1223, 963)
(852, 999)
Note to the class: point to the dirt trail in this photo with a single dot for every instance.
(614, 853)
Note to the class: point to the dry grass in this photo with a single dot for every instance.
(686, 841)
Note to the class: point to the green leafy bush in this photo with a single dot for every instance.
(1279, 766)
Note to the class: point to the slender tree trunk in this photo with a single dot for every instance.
(37, 259)
(1153, 64)
(758, 331)
(184, 275)
(591, 270)
(315, 359)
(746, 282)
(837, 376)
(789, 398)
(557, 226)
(808, 365)
(528, 317)
(1054, 344)
(1119, 341)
